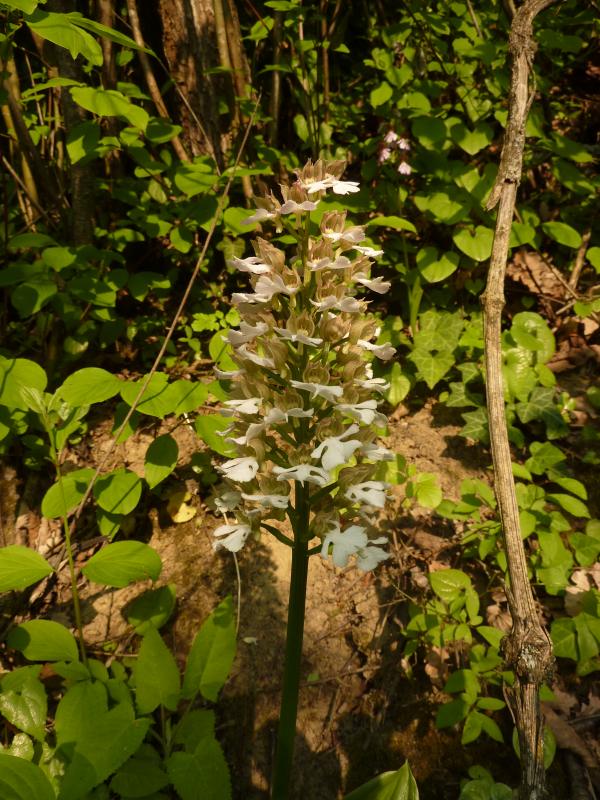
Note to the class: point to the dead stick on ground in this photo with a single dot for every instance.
(528, 649)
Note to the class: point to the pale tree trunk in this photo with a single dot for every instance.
(527, 648)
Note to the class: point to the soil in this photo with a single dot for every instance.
(362, 709)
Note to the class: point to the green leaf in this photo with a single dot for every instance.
(151, 609)
(65, 495)
(564, 638)
(208, 427)
(211, 654)
(205, 767)
(394, 222)
(399, 385)
(195, 726)
(110, 103)
(426, 489)
(570, 504)
(562, 233)
(89, 385)
(22, 780)
(381, 94)
(105, 32)
(17, 374)
(20, 567)
(472, 727)
(593, 256)
(196, 178)
(463, 680)
(28, 6)
(119, 491)
(156, 400)
(157, 681)
(432, 366)
(477, 244)
(429, 131)
(121, 563)
(186, 396)
(31, 296)
(399, 785)
(452, 713)
(443, 207)
(543, 456)
(449, 584)
(27, 708)
(96, 741)
(43, 640)
(141, 776)
(436, 268)
(59, 29)
(531, 332)
(160, 131)
(472, 141)
(161, 459)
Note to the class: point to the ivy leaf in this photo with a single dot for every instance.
(449, 584)
(432, 366)
(435, 268)
(564, 638)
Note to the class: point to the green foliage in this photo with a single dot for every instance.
(399, 785)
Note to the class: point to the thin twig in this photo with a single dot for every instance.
(579, 260)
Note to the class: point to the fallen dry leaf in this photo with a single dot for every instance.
(178, 507)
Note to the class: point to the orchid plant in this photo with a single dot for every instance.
(303, 405)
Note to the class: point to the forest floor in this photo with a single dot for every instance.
(360, 712)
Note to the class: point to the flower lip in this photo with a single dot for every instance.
(303, 473)
(241, 469)
(231, 537)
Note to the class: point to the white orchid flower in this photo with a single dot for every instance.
(246, 333)
(298, 337)
(372, 493)
(300, 412)
(303, 473)
(261, 361)
(374, 284)
(352, 235)
(369, 252)
(381, 351)
(268, 286)
(227, 376)
(268, 500)
(336, 450)
(247, 297)
(231, 537)
(339, 187)
(375, 453)
(241, 469)
(260, 215)
(253, 431)
(375, 385)
(341, 262)
(227, 501)
(365, 412)
(319, 390)
(251, 264)
(353, 542)
(249, 405)
(291, 207)
(348, 304)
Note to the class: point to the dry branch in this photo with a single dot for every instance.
(528, 649)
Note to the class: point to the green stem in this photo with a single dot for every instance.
(71, 561)
(293, 650)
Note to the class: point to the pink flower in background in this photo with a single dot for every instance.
(404, 168)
